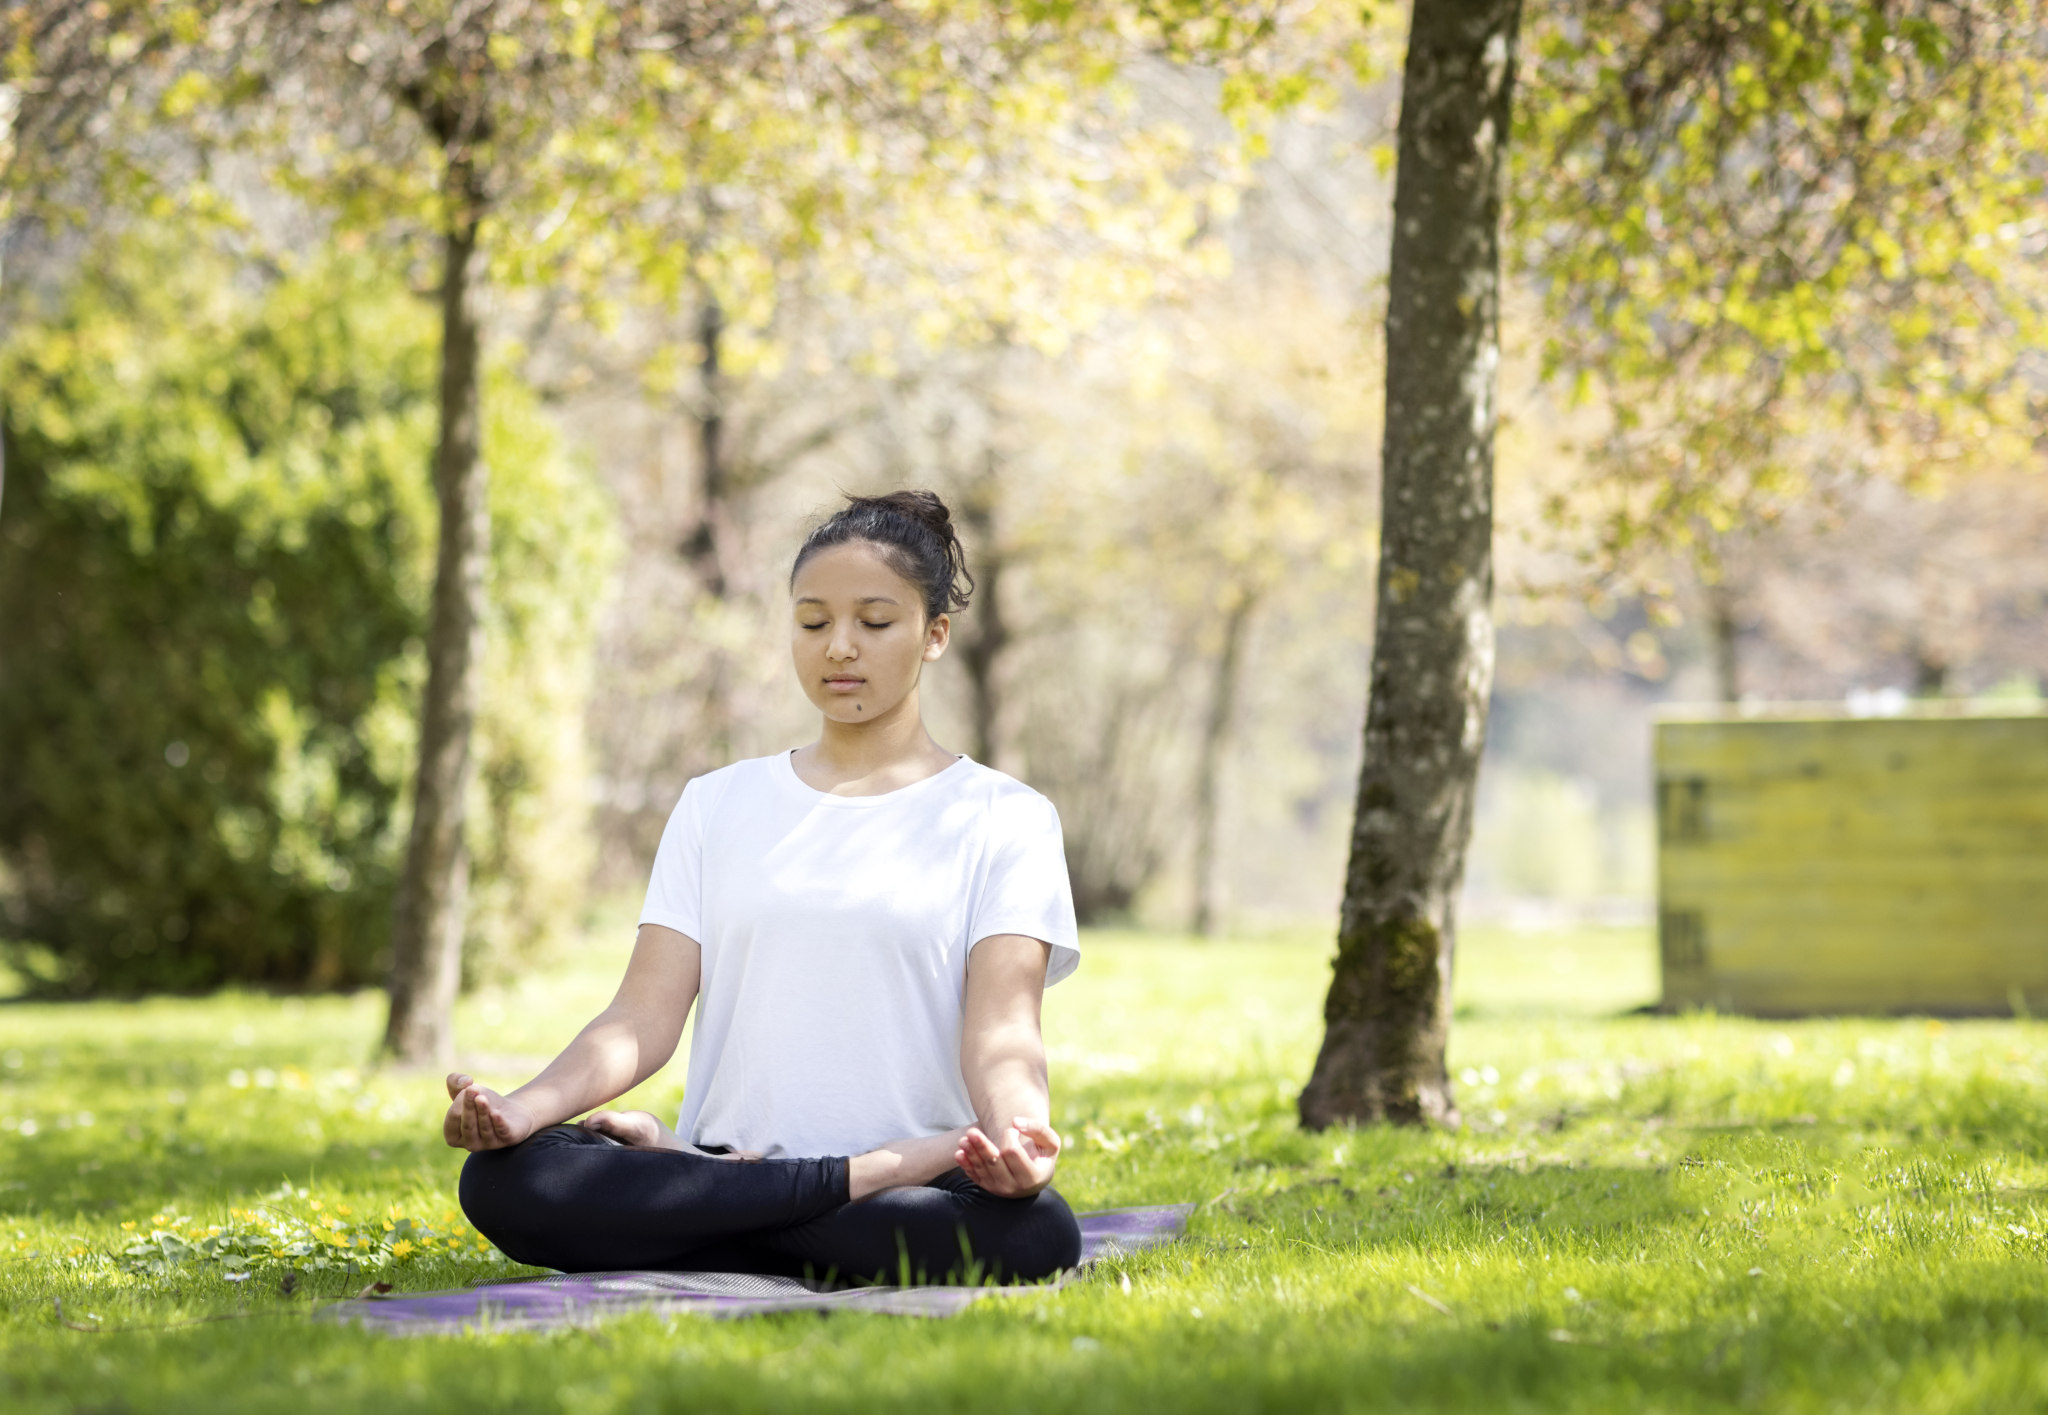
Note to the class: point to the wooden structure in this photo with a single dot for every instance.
(1813, 862)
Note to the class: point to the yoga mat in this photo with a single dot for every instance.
(581, 1299)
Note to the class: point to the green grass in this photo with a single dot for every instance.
(1644, 1213)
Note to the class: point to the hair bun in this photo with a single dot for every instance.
(914, 531)
(921, 506)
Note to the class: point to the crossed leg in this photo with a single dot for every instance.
(572, 1199)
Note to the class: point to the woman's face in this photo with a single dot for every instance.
(859, 636)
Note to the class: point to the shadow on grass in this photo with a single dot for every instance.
(185, 1165)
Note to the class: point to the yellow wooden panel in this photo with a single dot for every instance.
(1745, 872)
(1769, 747)
(1820, 864)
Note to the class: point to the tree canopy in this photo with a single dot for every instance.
(1785, 241)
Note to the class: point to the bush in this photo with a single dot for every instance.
(215, 554)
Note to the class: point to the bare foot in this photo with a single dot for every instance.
(903, 1163)
(644, 1131)
(633, 1127)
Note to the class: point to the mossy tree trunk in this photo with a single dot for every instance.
(1387, 1017)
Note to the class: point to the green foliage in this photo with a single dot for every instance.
(1647, 1213)
(989, 166)
(290, 1231)
(1783, 241)
(218, 537)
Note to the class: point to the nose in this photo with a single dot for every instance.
(840, 648)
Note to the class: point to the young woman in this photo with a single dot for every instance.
(866, 926)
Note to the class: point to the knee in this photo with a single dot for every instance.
(1053, 1239)
(1035, 1239)
(490, 1190)
(510, 1188)
(502, 1195)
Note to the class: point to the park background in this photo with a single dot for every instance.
(1127, 316)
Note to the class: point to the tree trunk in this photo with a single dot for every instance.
(705, 549)
(1209, 766)
(426, 938)
(1726, 635)
(1930, 669)
(982, 648)
(1387, 1017)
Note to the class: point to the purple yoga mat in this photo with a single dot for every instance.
(581, 1299)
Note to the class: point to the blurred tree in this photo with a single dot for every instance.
(1259, 492)
(1175, 480)
(1784, 245)
(1219, 717)
(1387, 1017)
(1724, 631)
(501, 125)
(213, 566)
(1882, 587)
(988, 635)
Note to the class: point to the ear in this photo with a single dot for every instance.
(937, 635)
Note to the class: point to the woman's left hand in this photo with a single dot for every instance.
(1018, 1167)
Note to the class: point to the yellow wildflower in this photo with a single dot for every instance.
(130, 1225)
(342, 1209)
(402, 1248)
(316, 1204)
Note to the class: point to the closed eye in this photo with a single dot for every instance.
(873, 625)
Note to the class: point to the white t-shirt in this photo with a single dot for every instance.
(835, 932)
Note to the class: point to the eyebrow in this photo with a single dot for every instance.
(871, 599)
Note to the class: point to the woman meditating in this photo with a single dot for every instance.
(866, 926)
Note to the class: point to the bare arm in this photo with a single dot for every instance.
(621, 1047)
(1014, 1149)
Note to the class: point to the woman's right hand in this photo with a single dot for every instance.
(480, 1119)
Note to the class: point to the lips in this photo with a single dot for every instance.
(845, 685)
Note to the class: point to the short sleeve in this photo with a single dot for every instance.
(675, 891)
(1026, 890)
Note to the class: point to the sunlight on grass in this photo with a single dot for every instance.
(1641, 1213)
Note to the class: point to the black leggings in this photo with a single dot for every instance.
(572, 1199)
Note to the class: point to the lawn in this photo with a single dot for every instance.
(1643, 1213)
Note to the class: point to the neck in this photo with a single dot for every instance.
(852, 750)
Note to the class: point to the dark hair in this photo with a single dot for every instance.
(913, 530)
